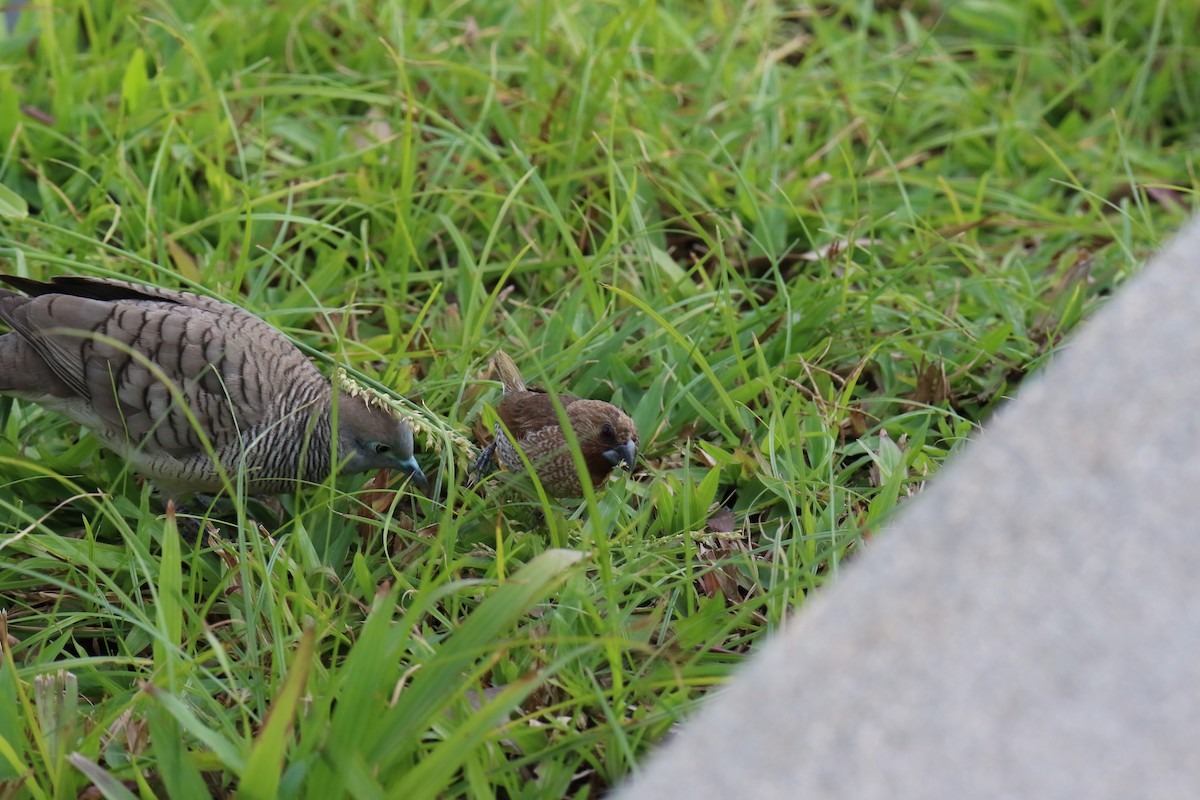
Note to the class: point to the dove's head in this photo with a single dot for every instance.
(373, 438)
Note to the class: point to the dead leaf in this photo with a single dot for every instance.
(1170, 199)
(932, 385)
(834, 249)
(716, 572)
(133, 735)
(704, 458)
(37, 114)
(378, 499)
(853, 425)
(184, 263)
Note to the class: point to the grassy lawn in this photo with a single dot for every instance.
(807, 248)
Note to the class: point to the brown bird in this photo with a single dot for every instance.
(607, 436)
(185, 387)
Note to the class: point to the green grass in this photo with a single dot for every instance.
(809, 251)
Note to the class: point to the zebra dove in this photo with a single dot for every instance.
(186, 387)
(607, 436)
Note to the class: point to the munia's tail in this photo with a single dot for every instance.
(510, 376)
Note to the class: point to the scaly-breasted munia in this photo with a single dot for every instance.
(606, 435)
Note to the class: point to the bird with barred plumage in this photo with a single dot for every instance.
(188, 389)
(529, 423)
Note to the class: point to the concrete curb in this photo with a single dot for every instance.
(1028, 627)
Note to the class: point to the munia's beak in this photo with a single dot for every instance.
(623, 454)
